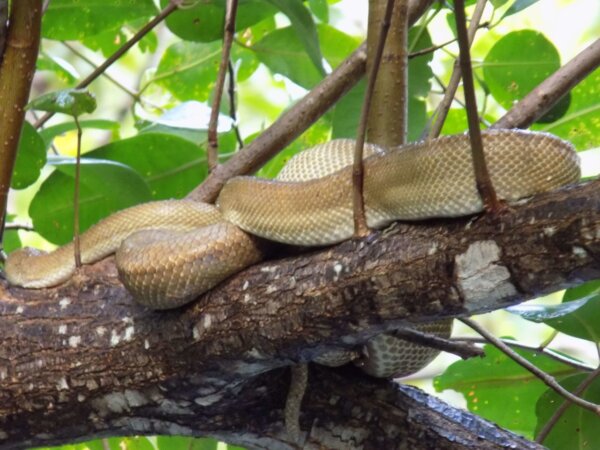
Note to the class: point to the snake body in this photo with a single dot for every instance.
(169, 252)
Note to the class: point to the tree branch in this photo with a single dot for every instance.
(106, 366)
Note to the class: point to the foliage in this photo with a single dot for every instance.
(284, 48)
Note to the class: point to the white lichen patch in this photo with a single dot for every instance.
(270, 289)
(146, 344)
(580, 252)
(135, 398)
(246, 285)
(337, 270)
(549, 231)
(3, 373)
(208, 400)
(62, 329)
(19, 309)
(100, 331)
(74, 341)
(268, 269)
(64, 302)
(115, 338)
(433, 249)
(129, 331)
(81, 398)
(481, 277)
(62, 384)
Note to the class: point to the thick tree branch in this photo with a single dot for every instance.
(84, 360)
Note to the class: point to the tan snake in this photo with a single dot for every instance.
(187, 248)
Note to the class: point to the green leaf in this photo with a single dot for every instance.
(64, 71)
(579, 318)
(188, 70)
(203, 21)
(320, 9)
(581, 291)
(48, 134)
(170, 165)
(577, 428)
(185, 443)
(110, 40)
(518, 6)
(500, 390)
(336, 45)
(581, 123)
(106, 187)
(304, 26)
(73, 102)
(283, 53)
(11, 240)
(31, 157)
(76, 19)
(517, 63)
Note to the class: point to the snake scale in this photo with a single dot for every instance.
(170, 252)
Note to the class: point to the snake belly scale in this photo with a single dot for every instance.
(170, 252)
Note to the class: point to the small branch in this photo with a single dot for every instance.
(293, 402)
(460, 348)
(536, 349)
(543, 434)
(18, 226)
(76, 245)
(232, 105)
(229, 31)
(543, 376)
(16, 74)
(535, 104)
(442, 110)
(104, 74)
(172, 6)
(482, 176)
(360, 221)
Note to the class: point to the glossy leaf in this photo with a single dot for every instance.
(579, 318)
(577, 429)
(188, 69)
(518, 6)
(61, 68)
(31, 157)
(517, 63)
(320, 9)
(106, 187)
(170, 165)
(203, 21)
(73, 102)
(500, 390)
(110, 40)
(304, 27)
(581, 291)
(76, 19)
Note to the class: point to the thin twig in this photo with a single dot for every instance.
(543, 434)
(172, 6)
(360, 222)
(543, 376)
(460, 348)
(232, 105)
(482, 176)
(442, 109)
(539, 101)
(18, 226)
(535, 349)
(229, 31)
(293, 402)
(76, 246)
(105, 74)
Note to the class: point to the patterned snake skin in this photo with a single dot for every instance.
(170, 252)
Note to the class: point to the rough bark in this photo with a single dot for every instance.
(82, 360)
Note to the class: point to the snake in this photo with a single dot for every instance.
(169, 252)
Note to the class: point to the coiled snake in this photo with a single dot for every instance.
(169, 252)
